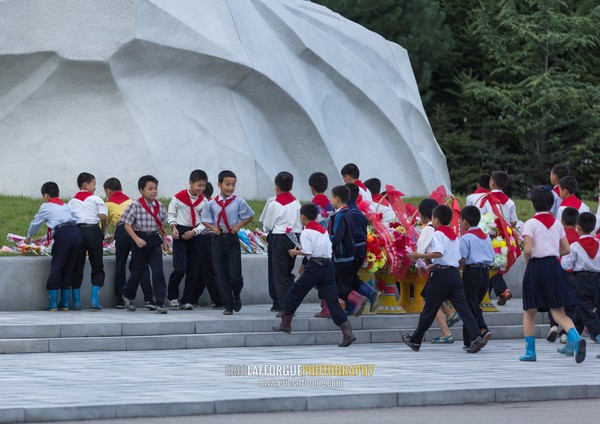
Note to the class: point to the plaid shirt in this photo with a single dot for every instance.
(140, 220)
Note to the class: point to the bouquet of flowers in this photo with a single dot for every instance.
(376, 256)
(489, 225)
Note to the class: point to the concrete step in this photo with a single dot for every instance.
(228, 340)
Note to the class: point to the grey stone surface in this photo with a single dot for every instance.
(279, 339)
(157, 409)
(29, 331)
(12, 415)
(276, 83)
(214, 340)
(23, 283)
(90, 330)
(274, 404)
(87, 344)
(50, 413)
(156, 342)
(349, 401)
(446, 397)
(24, 346)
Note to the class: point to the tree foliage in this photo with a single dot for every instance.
(507, 84)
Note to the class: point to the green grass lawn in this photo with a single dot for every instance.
(16, 213)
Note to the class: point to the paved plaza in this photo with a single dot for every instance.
(66, 386)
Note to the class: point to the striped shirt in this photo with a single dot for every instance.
(140, 220)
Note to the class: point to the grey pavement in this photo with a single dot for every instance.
(99, 385)
(524, 412)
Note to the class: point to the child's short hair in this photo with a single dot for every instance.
(374, 185)
(113, 184)
(209, 190)
(342, 193)
(84, 177)
(569, 183)
(318, 181)
(541, 198)
(443, 213)
(353, 191)
(145, 179)
(426, 207)
(560, 170)
(484, 181)
(310, 211)
(471, 214)
(569, 216)
(587, 222)
(50, 188)
(285, 181)
(351, 170)
(198, 175)
(500, 178)
(226, 174)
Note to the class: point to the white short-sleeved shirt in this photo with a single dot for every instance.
(450, 250)
(546, 241)
(474, 199)
(89, 210)
(579, 260)
(315, 244)
(425, 239)
(279, 217)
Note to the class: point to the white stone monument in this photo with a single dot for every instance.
(131, 87)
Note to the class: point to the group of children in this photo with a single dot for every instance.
(331, 238)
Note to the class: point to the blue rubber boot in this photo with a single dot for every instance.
(53, 301)
(76, 305)
(65, 297)
(529, 350)
(95, 298)
(371, 294)
(578, 344)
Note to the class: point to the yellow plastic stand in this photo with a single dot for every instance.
(486, 304)
(418, 280)
(388, 303)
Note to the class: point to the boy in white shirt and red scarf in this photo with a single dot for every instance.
(184, 217)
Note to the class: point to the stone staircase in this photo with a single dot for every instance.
(119, 330)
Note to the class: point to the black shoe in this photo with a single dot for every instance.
(237, 302)
(120, 304)
(476, 345)
(150, 306)
(274, 309)
(208, 304)
(406, 339)
(227, 312)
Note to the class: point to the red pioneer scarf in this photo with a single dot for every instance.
(378, 198)
(481, 191)
(571, 202)
(321, 200)
(153, 214)
(285, 198)
(545, 218)
(447, 231)
(222, 215)
(184, 197)
(556, 189)
(118, 197)
(313, 225)
(82, 195)
(478, 232)
(572, 235)
(56, 201)
(590, 245)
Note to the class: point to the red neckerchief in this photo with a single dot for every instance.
(56, 201)
(497, 197)
(556, 189)
(478, 232)
(379, 197)
(572, 235)
(285, 198)
(481, 191)
(590, 245)
(545, 218)
(222, 215)
(184, 197)
(360, 184)
(571, 202)
(447, 231)
(313, 225)
(321, 200)
(118, 197)
(82, 195)
(153, 214)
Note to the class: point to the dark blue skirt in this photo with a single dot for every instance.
(545, 286)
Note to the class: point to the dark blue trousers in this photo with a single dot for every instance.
(123, 242)
(587, 289)
(227, 260)
(344, 277)
(206, 274)
(142, 257)
(91, 243)
(445, 284)
(321, 276)
(283, 265)
(272, 290)
(67, 242)
(475, 283)
(186, 262)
